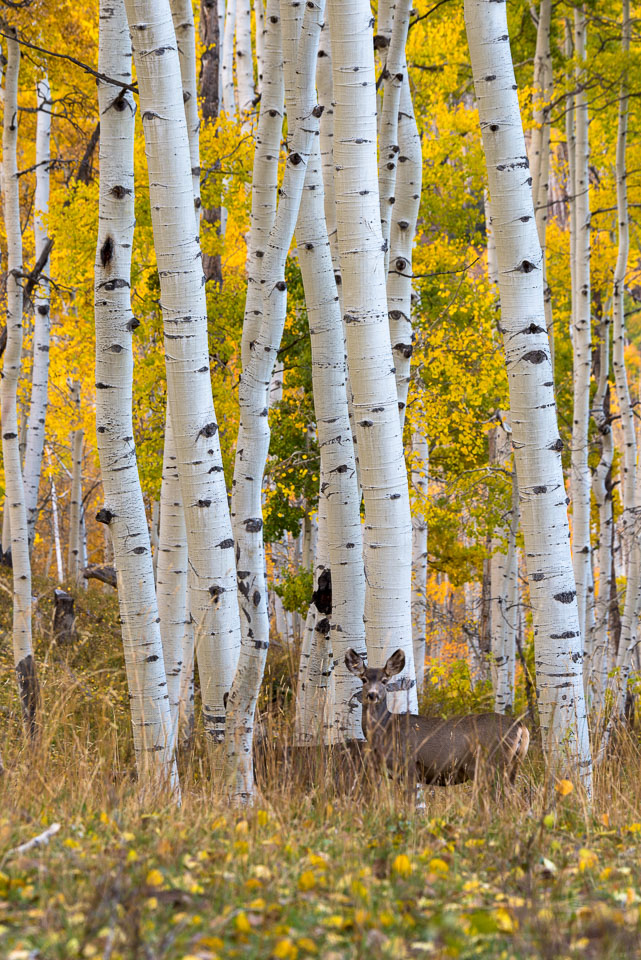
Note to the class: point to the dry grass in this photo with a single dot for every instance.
(309, 870)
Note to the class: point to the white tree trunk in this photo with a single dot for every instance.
(403, 231)
(394, 77)
(259, 21)
(419, 479)
(631, 511)
(40, 370)
(124, 509)
(535, 434)
(15, 501)
(500, 455)
(387, 545)
(75, 496)
(339, 500)
(227, 59)
(183, 18)
(213, 597)
(253, 436)
(580, 476)
(244, 59)
(264, 177)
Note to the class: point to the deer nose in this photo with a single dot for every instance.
(372, 695)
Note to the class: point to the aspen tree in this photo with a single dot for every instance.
(629, 618)
(227, 59)
(124, 510)
(40, 370)
(402, 234)
(15, 501)
(213, 597)
(581, 334)
(244, 60)
(259, 26)
(339, 500)
(75, 499)
(253, 435)
(536, 439)
(501, 575)
(387, 544)
(419, 482)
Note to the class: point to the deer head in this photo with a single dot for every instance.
(374, 679)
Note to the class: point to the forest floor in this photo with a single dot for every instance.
(305, 872)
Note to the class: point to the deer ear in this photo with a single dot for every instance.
(395, 663)
(354, 663)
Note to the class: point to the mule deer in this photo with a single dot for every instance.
(428, 749)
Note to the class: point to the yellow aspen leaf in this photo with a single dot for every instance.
(155, 878)
(285, 950)
(307, 880)
(505, 921)
(605, 873)
(263, 818)
(308, 945)
(151, 903)
(587, 860)
(402, 865)
(241, 922)
(242, 828)
(436, 865)
(257, 904)
(564, 787)
(386, 918)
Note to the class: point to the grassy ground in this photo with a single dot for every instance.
(305, 872)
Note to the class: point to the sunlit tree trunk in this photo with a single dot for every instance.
(244, 60)
(339, 500)
(15, 501)
(387, 545)
(211, 36)
(40, 370)
(227, 59)
(580, 476)
(74, 561)
(419, 479)
(259, 20)
(631, 511)
(253, 436)
(403, 231)
(213, 595)
(536, 441)
(124, 509)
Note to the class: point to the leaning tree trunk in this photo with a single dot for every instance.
(124, 509)
(536, 441)
(253, 434)
(40, 371)
(581, 478)
(15, 501)
(387, 545)
(214, 604)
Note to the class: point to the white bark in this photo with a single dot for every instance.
(244, 59)
(227, 59)
(595, 669)
(419, 480)
(124, 509)
(183, 17)
(387, 534)
(253, 436)
(264, 177)
(75, 495)
(394, 77)
(535, 434)
(339, 500)
(500, 575)
(631, 511)
(15, 501)
(403, 231)
(581, 335)
(259, 21)
(40, 370)
(213, 598)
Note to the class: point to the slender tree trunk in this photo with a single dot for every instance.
(244, 59)
(631, 511)
(40, 371)
(387, 543)
(580, 476)
(339, 500)
(253, 436)
(500, 443)
(259, 21)
(227, 60)
(536, 439)
(419, 479)
(75, 500)
(15, 500)
(124, 509)
(214, 604)
(210, 85)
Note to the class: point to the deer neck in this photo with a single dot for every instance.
(376, 718)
